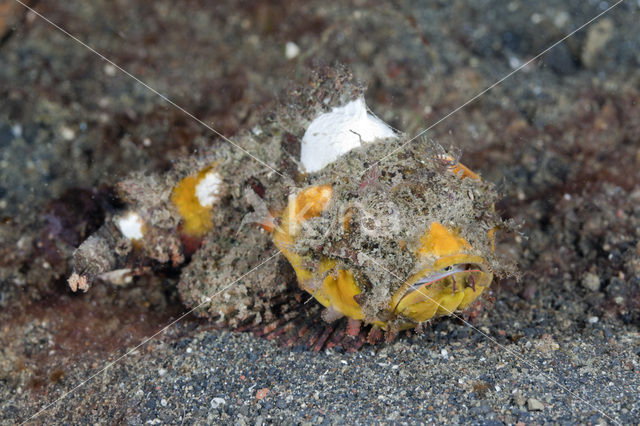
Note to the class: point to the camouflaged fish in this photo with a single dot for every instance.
(377, 229)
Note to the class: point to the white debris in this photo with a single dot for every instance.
(217, 402)
(335, 133)
(130, 225)
(256, 131)
(109, 70)
(291, 50)
(119, 277)
(16, 129)
(67, 133)
(514, 62)
(536, 18)
(209, 188)
(561, 19)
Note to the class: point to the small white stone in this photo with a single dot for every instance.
(67, 133)
(217, 402)
(209, 188)
(130, 225)
(337, 132)
(291, 50)
(109, 70)
(162, 372)
(256, 130)
(163, 402)
(16, 129)
(444, 353)
(593, 320)
(536, 18)
(514, 62)
(189, 350)
(561, 19)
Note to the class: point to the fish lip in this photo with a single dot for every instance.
(476, 264)
(444, 273)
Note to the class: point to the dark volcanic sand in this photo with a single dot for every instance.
(561, 139)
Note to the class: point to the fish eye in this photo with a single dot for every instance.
(448, 268)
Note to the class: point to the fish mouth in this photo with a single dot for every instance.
(450, 285)
(465, 271)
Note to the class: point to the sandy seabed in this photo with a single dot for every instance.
(560, 139)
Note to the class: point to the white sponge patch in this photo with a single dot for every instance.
(130, 225)
(339, 131)
(209, 188)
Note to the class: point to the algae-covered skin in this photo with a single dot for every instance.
(386, 226)
(218, 216)
(258, 169)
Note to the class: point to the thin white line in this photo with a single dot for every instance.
(145, 341)
(165, 98)
(512, 352)
(495, 84)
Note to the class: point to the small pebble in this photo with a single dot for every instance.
(534, 405)
(291, 50)
(67, 133)
(519, 399)
(217, 402)
(109, 70)
(591, 282)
